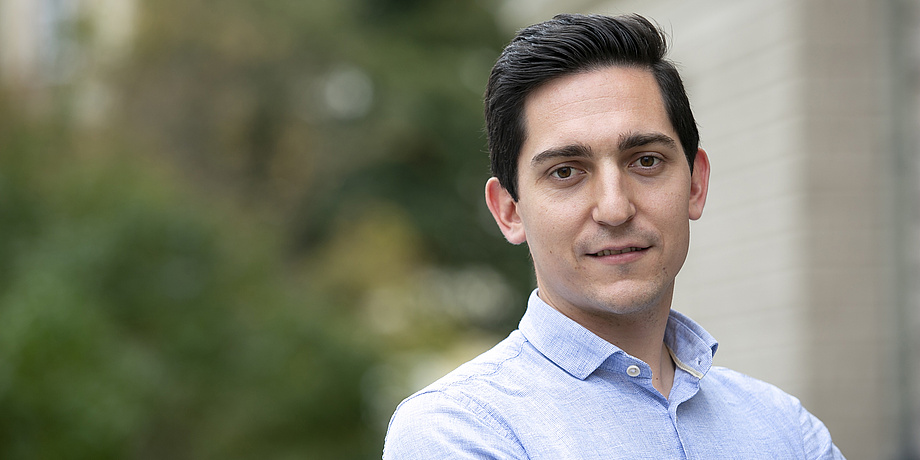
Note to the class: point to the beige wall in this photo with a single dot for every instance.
(792, 265)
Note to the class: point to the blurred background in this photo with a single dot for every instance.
(249, 228)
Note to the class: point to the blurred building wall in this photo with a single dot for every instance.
(804, 265)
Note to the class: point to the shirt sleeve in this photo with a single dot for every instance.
(817, 439)
(434, 425)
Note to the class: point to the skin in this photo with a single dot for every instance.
(605, 201)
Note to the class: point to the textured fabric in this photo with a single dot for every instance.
(553, 390)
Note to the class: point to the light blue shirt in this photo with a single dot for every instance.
(554, 390)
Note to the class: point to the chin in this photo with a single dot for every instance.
(633, 298)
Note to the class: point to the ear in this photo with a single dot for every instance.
(699, 184)
(504, 210)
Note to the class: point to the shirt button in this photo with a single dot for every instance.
(633, 371)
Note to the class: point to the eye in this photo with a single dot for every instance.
(564, 172)
(648, 161)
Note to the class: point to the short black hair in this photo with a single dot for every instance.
(567, 44)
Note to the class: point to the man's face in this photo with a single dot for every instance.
(605, 194)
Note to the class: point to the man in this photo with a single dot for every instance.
(597, 168)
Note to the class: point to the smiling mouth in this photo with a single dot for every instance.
(613, 252)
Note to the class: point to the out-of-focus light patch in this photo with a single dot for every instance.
(348, 93)
(19, 36)
(40, 43)
(388, 310)
(477, 295)
(386, 384)
(93, 102)
(432, 297)
(57, 50)
(114, 24)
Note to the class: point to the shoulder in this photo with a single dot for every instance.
(756, 396)
(435, 424)
(769, 403)
(745, 385)
(491, 371)
(454, 414)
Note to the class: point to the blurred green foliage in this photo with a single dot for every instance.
(133, 324)
(239, 92)
(278, 219)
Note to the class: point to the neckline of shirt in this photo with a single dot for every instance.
(580, 352)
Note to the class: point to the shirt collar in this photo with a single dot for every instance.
(580, 352)
(691, 347)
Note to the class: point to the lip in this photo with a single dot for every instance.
(620, 254)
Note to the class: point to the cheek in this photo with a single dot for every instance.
(675, 202)
(678, 242)
(670, 214)
(549, 229)
(670, 210)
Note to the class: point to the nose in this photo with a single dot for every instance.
(613, 200)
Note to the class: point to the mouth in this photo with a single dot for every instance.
(613, 252)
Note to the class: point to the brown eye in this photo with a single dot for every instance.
(648, 161)
(563, 173)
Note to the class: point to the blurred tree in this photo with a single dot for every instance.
(355, 127)
(274, 234)
(136, 322)
(323, 111)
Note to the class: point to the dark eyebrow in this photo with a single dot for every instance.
(568, 151)
(627, 141)
(632, 140)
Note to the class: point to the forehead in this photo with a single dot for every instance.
(593, 108)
